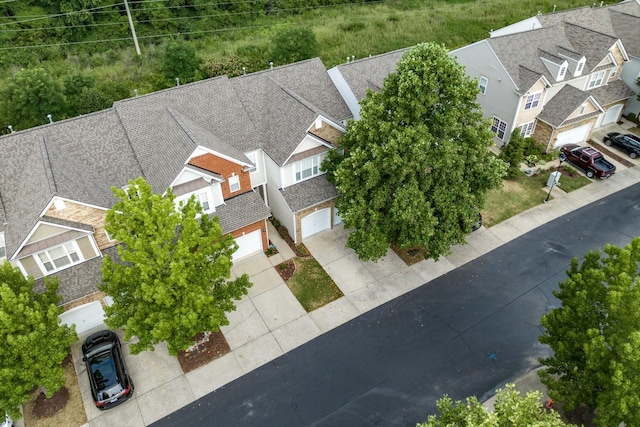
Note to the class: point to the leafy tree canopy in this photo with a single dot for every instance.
(511, 409)
(171, 281)
(417, 164)
(29, 97)
(34, 343)
(180, 61)
(595, 336)
(293, 44)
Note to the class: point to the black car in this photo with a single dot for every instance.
(629, 142)
(110, 383)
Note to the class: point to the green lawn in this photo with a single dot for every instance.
(311, 285)
(522, 193)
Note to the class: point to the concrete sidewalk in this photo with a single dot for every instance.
(269, 321)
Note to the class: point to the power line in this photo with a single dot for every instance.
(187, 32)
(56, 15)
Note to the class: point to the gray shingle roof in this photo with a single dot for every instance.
(241, 211)
(283, 106)
(565, 102)
(525, 49)
(369, 73)
(619, 19)
(615, 91)
(161, 144)
(78, 159)
(309, 193)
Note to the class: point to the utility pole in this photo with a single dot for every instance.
(133, 29)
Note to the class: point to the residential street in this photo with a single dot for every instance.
(466, 332)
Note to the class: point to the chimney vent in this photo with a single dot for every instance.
(50, 118)
(244, 71)
(135, 91)
(271, 64)
(177, 81)
(10, 128)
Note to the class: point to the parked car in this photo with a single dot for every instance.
(590, 160)
(629, 142)
(110, 382)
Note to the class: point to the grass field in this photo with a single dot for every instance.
(341, 31)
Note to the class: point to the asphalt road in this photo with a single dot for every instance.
(465, 333)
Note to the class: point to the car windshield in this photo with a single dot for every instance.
(103, 370)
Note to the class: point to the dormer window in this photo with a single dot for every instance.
(579, 68)
(562, 72)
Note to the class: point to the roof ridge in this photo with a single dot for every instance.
(566, 23)
(155, 92)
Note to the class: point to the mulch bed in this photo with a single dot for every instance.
(580, 416)
(43, 407)
(204, 353)
(286, 269)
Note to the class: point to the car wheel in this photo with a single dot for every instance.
(607, 142)
(633, 155)
(590, 174)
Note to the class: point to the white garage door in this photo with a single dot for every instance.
(85, 317)
(316, 222)
(573, 136)
(248, 244)
(612, 114)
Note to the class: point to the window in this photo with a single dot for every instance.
(582, 108)
(203, 198)
(252, 157)
(234, 183)
(527, 129)
(483, 82)
(306, 168)
(3, 249)
(596, 79)
(579, 67)
(57, 258)
(499, 128)
(614, 72)
(532, 101)
(562, 72)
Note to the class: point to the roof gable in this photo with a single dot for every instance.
(535, 50)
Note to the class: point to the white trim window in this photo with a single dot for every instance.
(596, 79)
(562, 72)
(59, 257)
(579, 68)
(234, 183)
(526, 129)
(614, 72)
(499, 127)
(532, 100)
(252, 158)
(307, 168)
(203, 198)
(3, 248)
(482, 84)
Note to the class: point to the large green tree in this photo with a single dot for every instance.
(34, 343)
(28, 97)
(171, 279)
(180, 61)
(511, 409)
(595, 336)
(293, 44)
(416, 165)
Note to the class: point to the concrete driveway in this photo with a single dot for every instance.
(269, 321)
